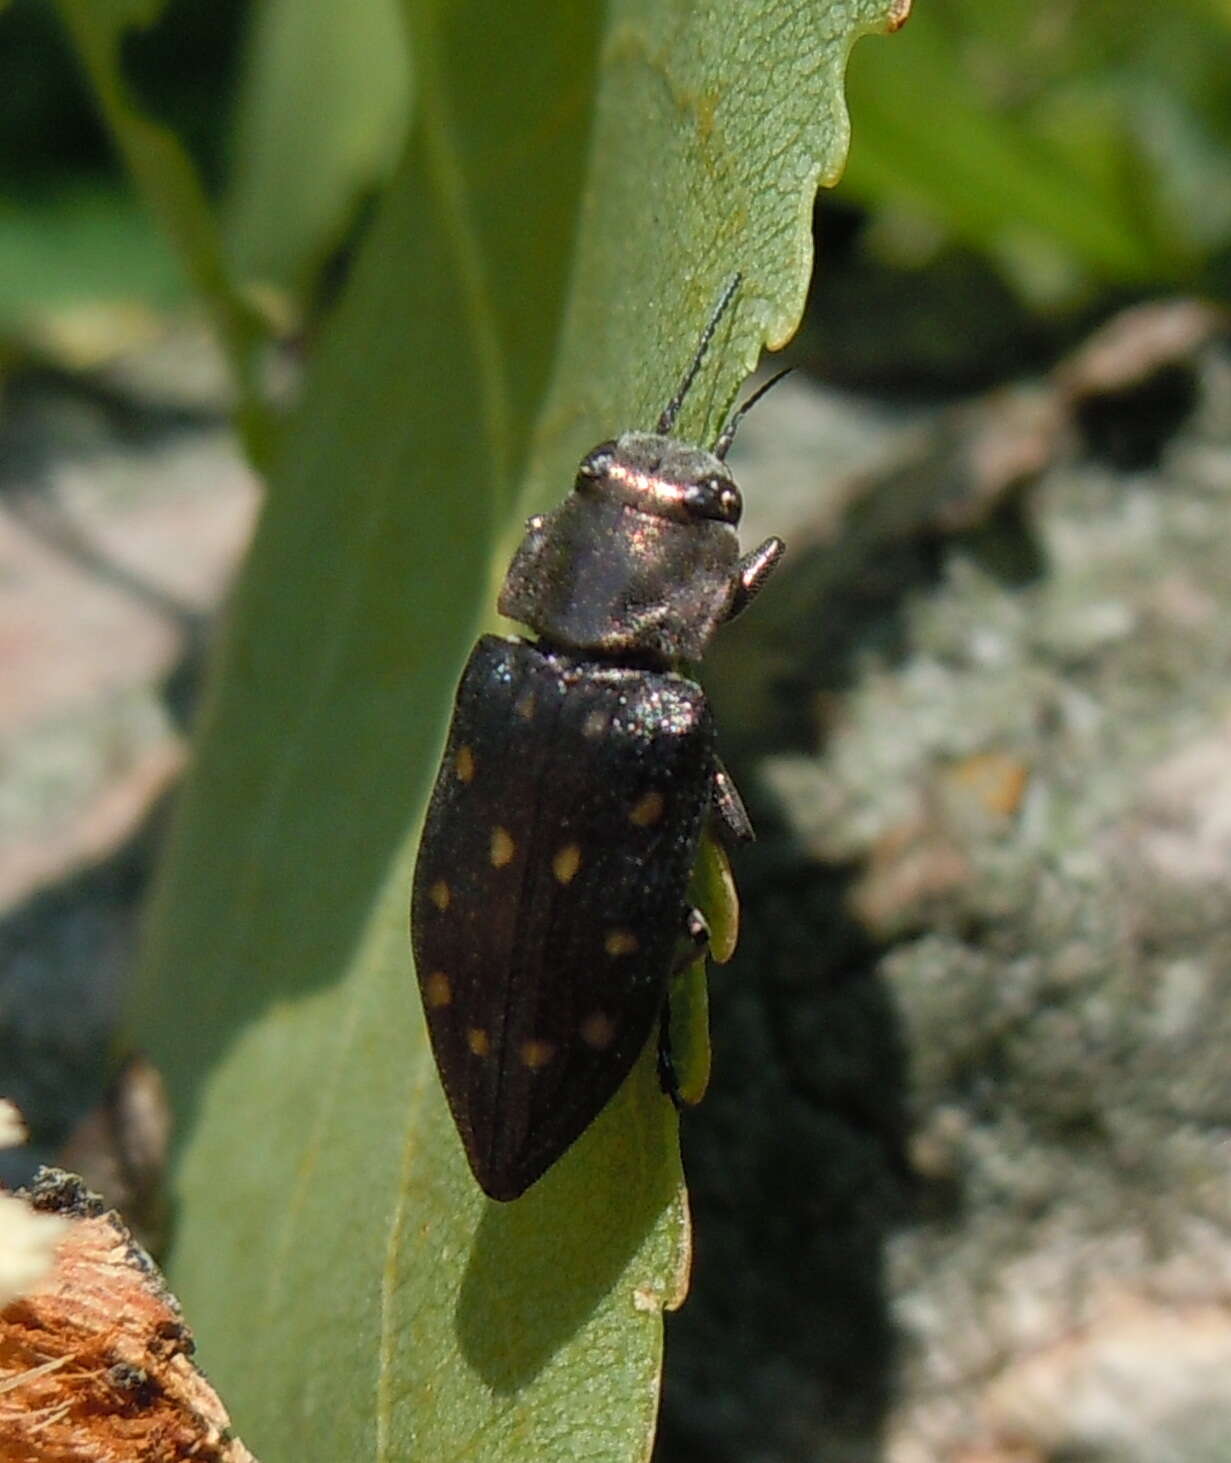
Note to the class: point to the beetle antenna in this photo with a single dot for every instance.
(672, 408)
(727, 435)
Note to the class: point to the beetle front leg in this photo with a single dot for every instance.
(732, 815)
(753, 570)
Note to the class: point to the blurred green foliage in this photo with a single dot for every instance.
(71, 231)
(1077, 142)
(343, 73)
(1080, 144)
(80, 243)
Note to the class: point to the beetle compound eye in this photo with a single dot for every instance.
(730, 503)
(715, 498)
(595, 465)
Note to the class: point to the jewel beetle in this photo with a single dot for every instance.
(549, 910)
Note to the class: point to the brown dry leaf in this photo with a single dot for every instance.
(95, 1359)
(1135, 344)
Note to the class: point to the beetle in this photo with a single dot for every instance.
(549, 909)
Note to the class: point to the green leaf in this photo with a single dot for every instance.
(1059, 130)
(928, 135)
(81, 245)
(576, 191)
(171, 189)
(714, 893)
(320, 123)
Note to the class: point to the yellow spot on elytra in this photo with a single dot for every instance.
(620, 942)
(437, 990)
(503, 848)
(478, 1041)
(647, 810)
(594, 725)
(524, 705)
(598, 1030)
(440, 895)
(463, 764)
(537, 1053)
(566, 863)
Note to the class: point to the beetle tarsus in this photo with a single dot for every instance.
(697, 933)
(668, 1077)
(695, 945)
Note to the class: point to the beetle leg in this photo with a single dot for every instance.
(695, 943)
(751, 573)
(732, 815)
(668, 1079)
(697, 936)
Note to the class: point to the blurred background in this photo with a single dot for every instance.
(1004, 471)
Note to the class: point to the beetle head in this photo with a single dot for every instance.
(640, 561)
(658, 475)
